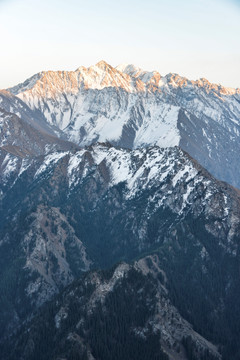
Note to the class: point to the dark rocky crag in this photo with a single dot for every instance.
(121, 313)
(67, 212)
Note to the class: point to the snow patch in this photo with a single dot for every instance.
(49, 160)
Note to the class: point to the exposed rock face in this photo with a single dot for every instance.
(133, 108)
(45, 247)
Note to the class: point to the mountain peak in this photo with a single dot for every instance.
(103, 65)
(81, 68)
(129, 69)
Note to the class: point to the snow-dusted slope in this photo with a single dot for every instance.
(68, 211)
(18, 137)
(13, 104)
(133, 108)
(175, 177)
(66, 97)
(92, 193)
(101, 103)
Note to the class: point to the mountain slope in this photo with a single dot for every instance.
(18, 137)
(122, 313)
(34, 118)
(133, 108)
(66, 212)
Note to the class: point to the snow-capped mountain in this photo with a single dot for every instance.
(95, 170)
(133, 108)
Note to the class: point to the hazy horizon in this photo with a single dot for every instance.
(195, 39)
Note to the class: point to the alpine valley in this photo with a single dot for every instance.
(120, 217)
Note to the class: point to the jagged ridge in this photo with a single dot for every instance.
(134, 108)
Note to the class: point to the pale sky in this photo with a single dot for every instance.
(194, 38)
